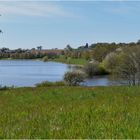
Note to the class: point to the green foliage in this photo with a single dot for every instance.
(6, 87)
(125, 65)
(101, 50)
(128, 68)
(94, 68)
(70, 113)
(91, 69)
(50, 84)
(102, 70)
(74, 78)
(69, 48)
(45, 58)
(111, 61)
(69, 60)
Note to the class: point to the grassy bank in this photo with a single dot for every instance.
(74, 61)
(70, 112)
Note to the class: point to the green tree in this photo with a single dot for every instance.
(128, 68)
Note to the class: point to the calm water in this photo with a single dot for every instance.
(29, 72)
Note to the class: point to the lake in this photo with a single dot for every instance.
(27, 73)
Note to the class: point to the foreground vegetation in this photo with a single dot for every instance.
(70, 112)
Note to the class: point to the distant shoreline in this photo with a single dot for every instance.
(40, 59)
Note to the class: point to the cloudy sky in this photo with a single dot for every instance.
(54, 24)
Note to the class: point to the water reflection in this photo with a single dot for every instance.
(101, 81)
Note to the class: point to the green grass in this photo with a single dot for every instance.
(70, 112)
(78, 61)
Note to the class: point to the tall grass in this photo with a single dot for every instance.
(70, 112)
(50, 84)
(76, 61)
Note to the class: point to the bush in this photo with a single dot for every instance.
(94, 68)
(45, 58)
(110, 62)
(5, 87)
(128, 68)
(102, 70)
(74, 78)
(49, 84)
(91, 68)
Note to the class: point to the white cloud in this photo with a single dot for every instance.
(30, 8)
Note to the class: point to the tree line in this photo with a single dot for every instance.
(121, 60)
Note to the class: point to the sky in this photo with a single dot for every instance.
(54, 24)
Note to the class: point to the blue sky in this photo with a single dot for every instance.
(54, 24)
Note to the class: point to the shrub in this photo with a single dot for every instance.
(102, 70)
(5, 87)
(74, 78)
(128, 68)
(91, 68)
(49, 84)
(45, 58)
(111, 61)
(94, 68)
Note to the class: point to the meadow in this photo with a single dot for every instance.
(70, 112)
(75, 61)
